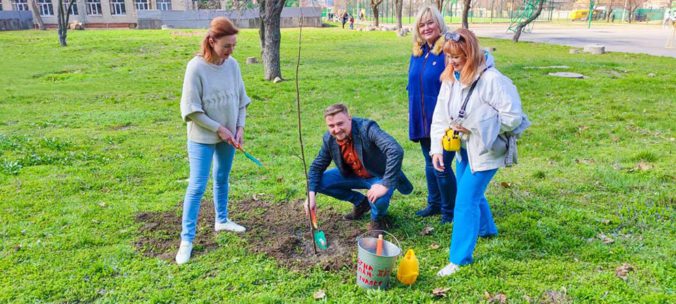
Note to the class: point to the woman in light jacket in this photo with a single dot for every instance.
(425, 68)
(493, 109)
(213, 104)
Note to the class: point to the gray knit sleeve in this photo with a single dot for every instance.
(204, 121)
(191, 97)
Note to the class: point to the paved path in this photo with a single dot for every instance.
(646, 39)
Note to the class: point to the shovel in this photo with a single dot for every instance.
(251, 157)
(318, 236)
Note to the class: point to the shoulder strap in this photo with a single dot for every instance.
(461, 114)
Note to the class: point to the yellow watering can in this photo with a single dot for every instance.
(408, 268)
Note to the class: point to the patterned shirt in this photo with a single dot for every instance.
(350, 157)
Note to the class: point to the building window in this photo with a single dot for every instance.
(73, 8)
(0, 5)
(94, 7)
(142, 5)
(20, 5)
(117, 7)
(164, 5)
(46, 8)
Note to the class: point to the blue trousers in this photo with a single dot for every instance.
(201, 156)
(337, 186)
(441, 186)
(473, 216)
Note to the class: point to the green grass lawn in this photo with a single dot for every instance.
(91, 135)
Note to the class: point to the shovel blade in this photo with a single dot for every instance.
(320, 239)
(253, 159)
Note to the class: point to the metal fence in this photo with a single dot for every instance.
(15, 20)
(153, 19)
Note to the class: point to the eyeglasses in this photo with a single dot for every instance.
(452, 36)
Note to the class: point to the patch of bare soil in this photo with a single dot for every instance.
(278, 230)
(160, 232)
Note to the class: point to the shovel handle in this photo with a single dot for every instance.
(379, 245)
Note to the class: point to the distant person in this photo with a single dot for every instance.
(366, 158)
(669, 18)
(425, 67)
(213, 104)
(484, 106)
(351, 22)
(344, 19)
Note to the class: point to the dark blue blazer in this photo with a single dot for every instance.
(379, 152)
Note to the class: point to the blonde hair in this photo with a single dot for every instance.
(335, 109)
(219, 27)
(468, 47)
(433, 13)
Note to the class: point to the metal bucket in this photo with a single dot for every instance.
(373, 271)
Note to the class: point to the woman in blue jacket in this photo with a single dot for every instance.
(425, 68)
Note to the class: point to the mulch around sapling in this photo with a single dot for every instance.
(278, 230)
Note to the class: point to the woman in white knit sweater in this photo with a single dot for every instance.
(213, 104)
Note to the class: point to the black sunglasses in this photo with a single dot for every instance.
(452, 36)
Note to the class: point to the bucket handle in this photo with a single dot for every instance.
(361, 236)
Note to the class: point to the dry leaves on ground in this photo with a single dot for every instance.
(643, 166)
(623, 270)
(505, 185)
(440, 292)
(500, 298)
(434, 246)
(586, 161)
(605, 239)
(555, 297)
(319, 294)
(427, 230)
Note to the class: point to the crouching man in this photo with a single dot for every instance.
(366, 158)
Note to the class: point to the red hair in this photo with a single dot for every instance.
(219, 27)
(468, 47)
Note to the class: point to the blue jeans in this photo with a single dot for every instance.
(441, 186)
(201, 157)
(473, 216)
(337, 186)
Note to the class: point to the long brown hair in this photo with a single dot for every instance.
(468, 47)
(219, 27)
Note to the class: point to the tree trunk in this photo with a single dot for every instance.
(465, 13)
(62, 17)
(523, 24)
(261, 27)
(631, 13)
(375, 15)
(36, 15)
(374, 8)
(399, 5)
(440, 4)
(270, 14)
(609, 10)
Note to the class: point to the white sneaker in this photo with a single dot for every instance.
(229, 226)
(184, 251)
(448, 270)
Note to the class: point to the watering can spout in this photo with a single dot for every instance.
(408, 271)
